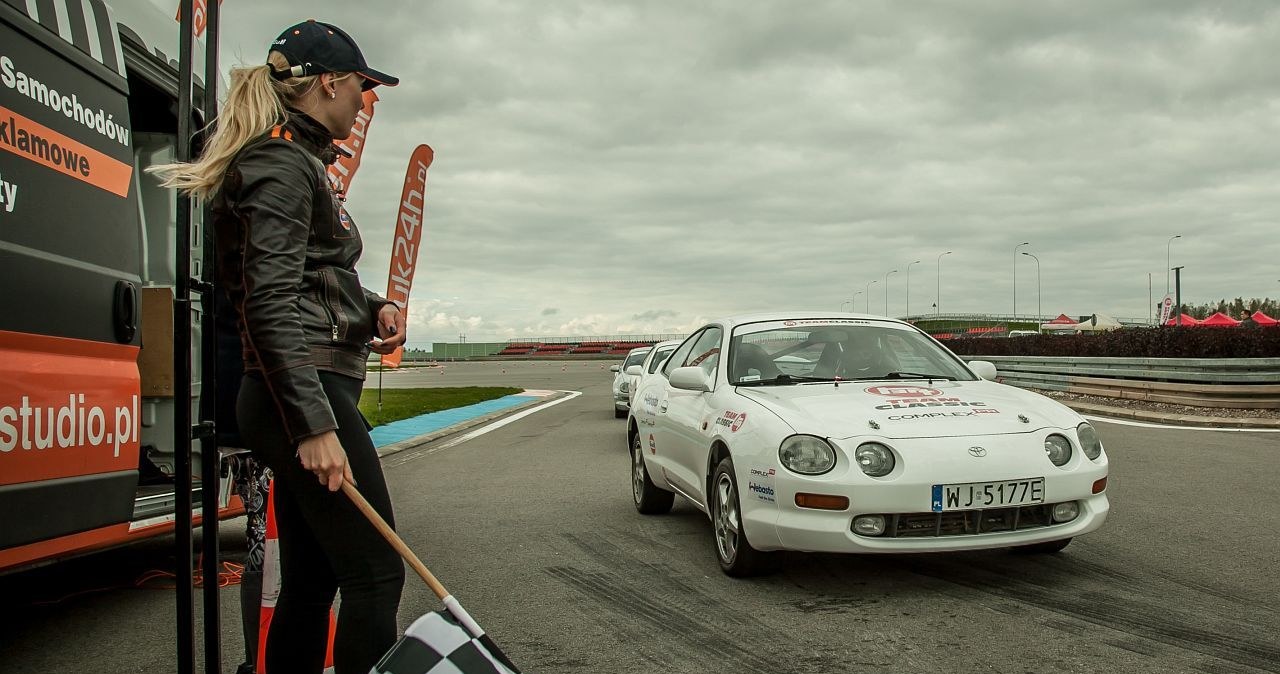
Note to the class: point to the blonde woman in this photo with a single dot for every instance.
(286, 256)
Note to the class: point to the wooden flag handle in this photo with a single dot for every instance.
(388, 533)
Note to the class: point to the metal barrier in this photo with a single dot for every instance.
(1239, 383)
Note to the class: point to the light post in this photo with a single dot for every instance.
(1168, 252)
(938, 298)
(869, 296)
(853, 302)
(886, 292)
(849, 302)
(909, 287)
(1039, 313)
(1015, 277)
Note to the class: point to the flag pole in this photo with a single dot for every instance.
(455, 609)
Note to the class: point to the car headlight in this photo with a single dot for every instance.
(807, 455)
(624, 387)
(1089, 440)
(874, 459)
(1058, 448)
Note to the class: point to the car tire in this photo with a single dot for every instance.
(648, 497)
(619, 414)
(734, 552)
(1046, 548)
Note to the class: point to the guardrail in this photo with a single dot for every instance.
(1239, 383)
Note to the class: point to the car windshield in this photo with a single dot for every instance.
(798, 351)
(636, 358)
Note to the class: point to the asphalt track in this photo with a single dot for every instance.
(532, 527)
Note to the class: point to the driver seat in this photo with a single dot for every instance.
(750, 357)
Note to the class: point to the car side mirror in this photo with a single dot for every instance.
(690, 379)
(635, 370)
(615, 368)
(984, 368)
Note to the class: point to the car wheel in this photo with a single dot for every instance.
(649, 499)
(619, 414)
(1046, 548)
(734, 552)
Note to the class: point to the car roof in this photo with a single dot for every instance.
(639, 349)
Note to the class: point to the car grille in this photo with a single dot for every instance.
(968, 522)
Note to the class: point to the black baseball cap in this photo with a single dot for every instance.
(314, 47)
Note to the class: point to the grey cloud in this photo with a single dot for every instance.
(550, 311)
(779, 154)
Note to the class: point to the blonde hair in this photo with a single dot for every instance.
(256, 102)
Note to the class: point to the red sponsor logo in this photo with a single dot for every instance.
(904, 391)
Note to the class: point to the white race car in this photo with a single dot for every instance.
(860, 434)
(651, 363)
(622, 382)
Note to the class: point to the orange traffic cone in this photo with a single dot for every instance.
(271, 589)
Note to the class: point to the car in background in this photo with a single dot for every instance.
(621, 383)
(857, 434)
(651, 363)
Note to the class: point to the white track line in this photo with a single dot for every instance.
(504, 421)
(1144, 424)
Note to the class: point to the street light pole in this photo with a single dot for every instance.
(853, 306)
(1015, 277)
(869, 296)
(1039, 311)
(909, 287)
(938, 297)
(886, 292)
(1177, 285)
(1168, 252)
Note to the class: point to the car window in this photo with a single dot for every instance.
(706, 352)
(835, 348)
(634, 359)
(678, 356)
(660, 356)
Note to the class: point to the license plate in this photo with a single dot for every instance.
(976, 495)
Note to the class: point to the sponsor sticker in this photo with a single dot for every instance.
(763, 473)
(916, 403)
(653, 445)
(761, 491)
(904, 391)
(732, 420)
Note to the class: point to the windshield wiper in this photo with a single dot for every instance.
(907, 375)
(785, 380)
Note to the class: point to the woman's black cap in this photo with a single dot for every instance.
(314, 47)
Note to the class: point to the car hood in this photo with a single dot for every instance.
(911, 409)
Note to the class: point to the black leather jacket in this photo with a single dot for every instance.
(286, 255)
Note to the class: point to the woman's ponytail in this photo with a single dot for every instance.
(255, 103)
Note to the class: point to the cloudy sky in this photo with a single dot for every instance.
(635, 167)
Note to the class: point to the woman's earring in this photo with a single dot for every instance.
(332, 95)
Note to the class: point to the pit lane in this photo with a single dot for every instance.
(531, 525)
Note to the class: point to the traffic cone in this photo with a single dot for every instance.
(271, 590)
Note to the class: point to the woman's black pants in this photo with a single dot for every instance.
(326, 545)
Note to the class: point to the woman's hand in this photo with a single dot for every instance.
(323, 455)
(391, 330)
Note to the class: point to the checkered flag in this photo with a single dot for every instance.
(437, 644)
(446, 642)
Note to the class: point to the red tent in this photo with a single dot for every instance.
(1186, 320)
(1220, 320)
(1263, 319)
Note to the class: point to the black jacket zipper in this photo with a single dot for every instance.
(324, 304)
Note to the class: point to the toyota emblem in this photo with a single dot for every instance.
(977, 451)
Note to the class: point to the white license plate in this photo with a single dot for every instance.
(976, 495)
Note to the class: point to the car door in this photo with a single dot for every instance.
(689, 414)
(653, 401)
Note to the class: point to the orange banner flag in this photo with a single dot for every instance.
(343, 171)
(404, 251)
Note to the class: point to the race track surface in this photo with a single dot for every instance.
(531, 526)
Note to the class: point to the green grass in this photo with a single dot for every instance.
(403, 403)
